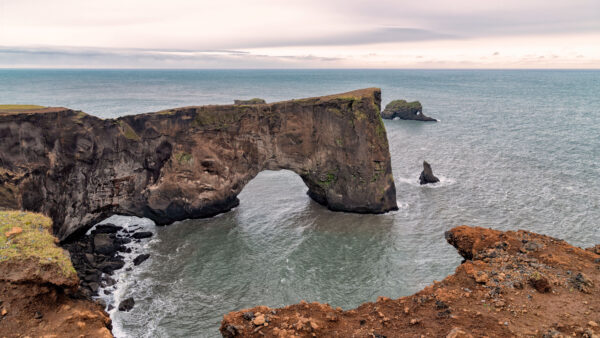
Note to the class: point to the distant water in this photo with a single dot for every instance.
(514, 150)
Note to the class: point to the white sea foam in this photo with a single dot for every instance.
(125, 277)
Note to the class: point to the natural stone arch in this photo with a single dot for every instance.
(192, 162)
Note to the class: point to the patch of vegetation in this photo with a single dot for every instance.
(166, 112)
(220, 119)
(255, 100)
(129, 133)
(403, 104)
(17, 107)
(328, 179)
(33, 240)
(339, 142)
(184, 158)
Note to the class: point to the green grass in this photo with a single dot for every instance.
(36, 240)
(398, 104)
(129, 133)
(184, 157)
(17, 107)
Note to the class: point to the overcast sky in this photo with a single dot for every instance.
(300, 34)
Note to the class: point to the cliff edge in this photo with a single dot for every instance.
(192, 162)
(511, 284)
(38, 285)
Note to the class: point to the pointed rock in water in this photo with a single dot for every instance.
(427, 174)
(405, 111)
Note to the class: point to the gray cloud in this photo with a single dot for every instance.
(378, 35)
(142, 58)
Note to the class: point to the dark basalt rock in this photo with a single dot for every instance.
(405, 111)
(106, 229)
(127, 304)
(251, 101)
(140, 259)
(104, 244)
(427, 175)
(142, 234)
(192, 162)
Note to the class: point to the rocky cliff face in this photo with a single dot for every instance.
(511, 284)
(192, 162)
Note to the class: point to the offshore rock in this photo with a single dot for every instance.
(503, 304)
(427, 175)
(405, 111)
(192, 162)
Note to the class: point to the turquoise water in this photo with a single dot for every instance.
(514, 150)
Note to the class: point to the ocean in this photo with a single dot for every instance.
(514, 149)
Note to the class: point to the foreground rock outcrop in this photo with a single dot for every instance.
(510, 284)
(405, 111)
(427, 175)
(39, 296)
(192, 162)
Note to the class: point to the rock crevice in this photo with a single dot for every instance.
(192, 162)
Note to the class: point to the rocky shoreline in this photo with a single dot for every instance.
(98, 253)
(513, 283)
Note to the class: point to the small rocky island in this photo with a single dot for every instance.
(405, 111)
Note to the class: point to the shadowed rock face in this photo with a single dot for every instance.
(192, 162)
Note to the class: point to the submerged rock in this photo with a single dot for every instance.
(192, 162)
(427, 175)
(405, 111)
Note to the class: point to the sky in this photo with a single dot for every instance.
(300, 34)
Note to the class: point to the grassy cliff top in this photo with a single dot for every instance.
(396, 104)
(26, 235)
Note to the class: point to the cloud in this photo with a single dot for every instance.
(142, 58)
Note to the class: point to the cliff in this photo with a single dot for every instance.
(192, 162)
(38, 285)
(510, 284)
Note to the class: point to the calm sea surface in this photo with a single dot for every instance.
(514, 150)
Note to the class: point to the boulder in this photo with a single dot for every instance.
(127, 304)
(405, 111)
(104, 244)
(427, 175)
(142, 234)
(140, 259)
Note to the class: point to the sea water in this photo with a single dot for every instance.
(515, 149)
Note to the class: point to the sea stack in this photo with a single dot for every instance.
(427, 175)
(405, 111)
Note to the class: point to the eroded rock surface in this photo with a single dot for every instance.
(405, 111)
(511, 284)
(192, 162)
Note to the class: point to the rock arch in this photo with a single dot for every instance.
(192, 162)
